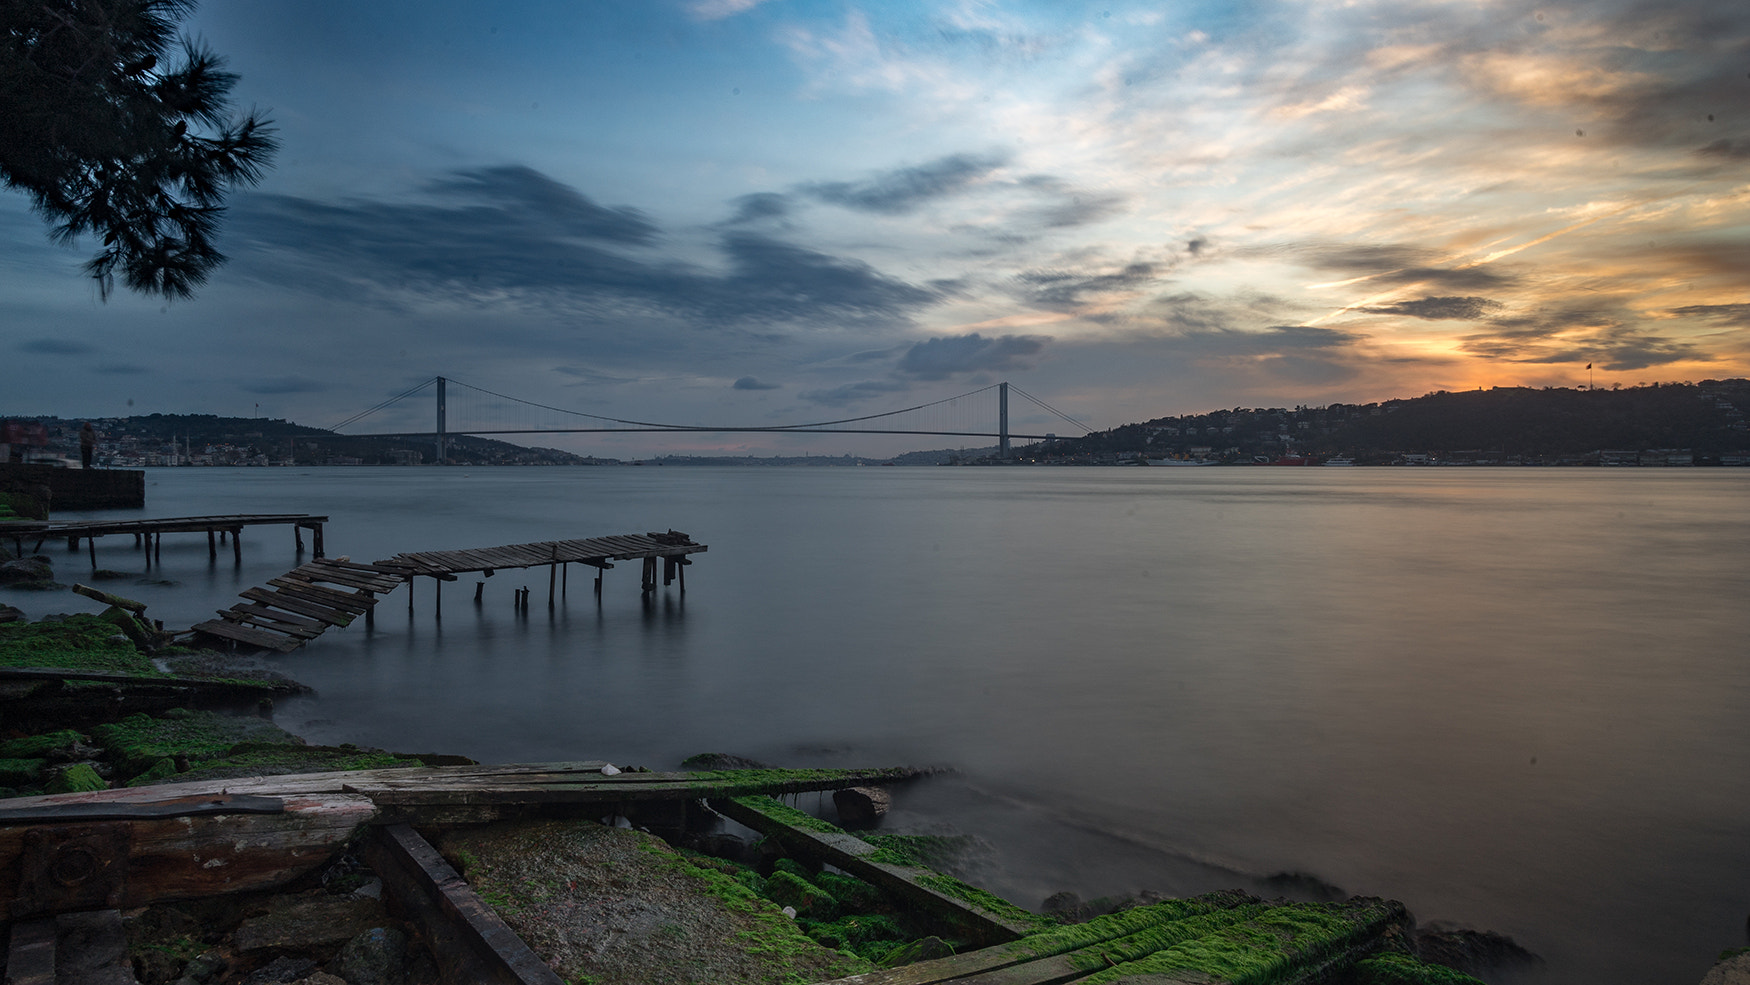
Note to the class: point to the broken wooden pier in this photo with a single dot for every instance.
(150, 533)
(303, 603)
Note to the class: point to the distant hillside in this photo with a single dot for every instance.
(209, 439)
(1518, 424)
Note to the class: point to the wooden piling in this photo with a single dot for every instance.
(479, 587)
(212, 544)
(236, 543)
(298, 538)
(437, 594)
(91, 542)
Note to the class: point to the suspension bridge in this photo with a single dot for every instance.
(462, 409)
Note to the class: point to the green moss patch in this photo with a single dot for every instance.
(79, 642)
(20, 772)
(1401, 969)
(138, 742)
(781, 812)
(78, 778)
(1274, 946)
(32, 746)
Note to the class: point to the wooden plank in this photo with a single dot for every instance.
(268, 623)
(349, 579)
(247, 634)
(433, 792)
(331, 597)
(169, 807)
(303, 607)
(852, 855)
(468, 939)
(302, 622)
(188, 857)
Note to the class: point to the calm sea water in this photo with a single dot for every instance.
(1514, 699)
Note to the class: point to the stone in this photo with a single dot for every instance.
(1734, 970)
(323, 978)
(309, 921)
(281, 970)
(206, 966)
(25, 569)
(78, 778)
(10, 613)
(377, 956)
(860, 807)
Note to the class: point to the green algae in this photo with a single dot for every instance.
(36, 746)
(927, 851)
(781, 812)
(78, 778)
(139, 741)
(1074, 937)
(1274, 946)
(21, 772)
(78, 642)
(1140, 944)
(988, 902)
(1401, 969)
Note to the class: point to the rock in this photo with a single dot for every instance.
(78, 778)
(155, 967)
(323, 978)
(860, 807)
(922, 949)
(25, 569)
(281, 970)
(1303, 886)
(10, 613)
(205, 966)
(809, 900)
(1734, 969)
(309, 921)
(724, 845)
(377, 956)
(1474, 952)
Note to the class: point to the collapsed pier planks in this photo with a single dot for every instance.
(303, 603)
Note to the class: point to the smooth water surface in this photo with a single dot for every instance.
(1516, 699)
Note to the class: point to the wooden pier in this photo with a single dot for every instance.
(70, 862)
(304, 602)
(150, 533)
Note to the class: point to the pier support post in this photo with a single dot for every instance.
(212, 544)
(437, 595)
(649, 576)
(236, 543)
(316, 540)
(91, 542)
(298, 538)
(479, 587)
(410, 596)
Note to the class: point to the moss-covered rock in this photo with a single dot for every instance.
(21, 772)
(77, 642)
(810, 901)
(78, 778)
(160, 772)
(38, 746)
(1401, 969)
(138, 742)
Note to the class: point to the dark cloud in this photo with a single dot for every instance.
(1061, 290)
(511, 234)
(850, 393)
(284, 384)
(1068, 206)
(1731, 150)
(1438, 309)
(1729, 314)
(533, 196)
(758, 206)
(941, 358)
(906, 189)
(1580, 332)
(56, 347)
(589, 376)
(750, 383)
(1395, 264)
(122, 369)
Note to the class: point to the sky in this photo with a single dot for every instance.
(754, 212)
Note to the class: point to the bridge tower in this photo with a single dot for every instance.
(442, 441)
(1003, 420)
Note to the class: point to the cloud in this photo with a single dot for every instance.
(1727, 314)
(122, 369)
(508, 235)
(584, 376)
(850, 393)
(750, 383)
(1437, 309)
(941, 358)
(56, 347)
(1731, 150)
(712, 10)
(1391, 264)
(285, 384)
(759, 206)
(1061, 290)
(1599, 332)
(904, 190)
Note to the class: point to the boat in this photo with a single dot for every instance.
(1339, 461)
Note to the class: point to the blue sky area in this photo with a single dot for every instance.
(769, 211)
